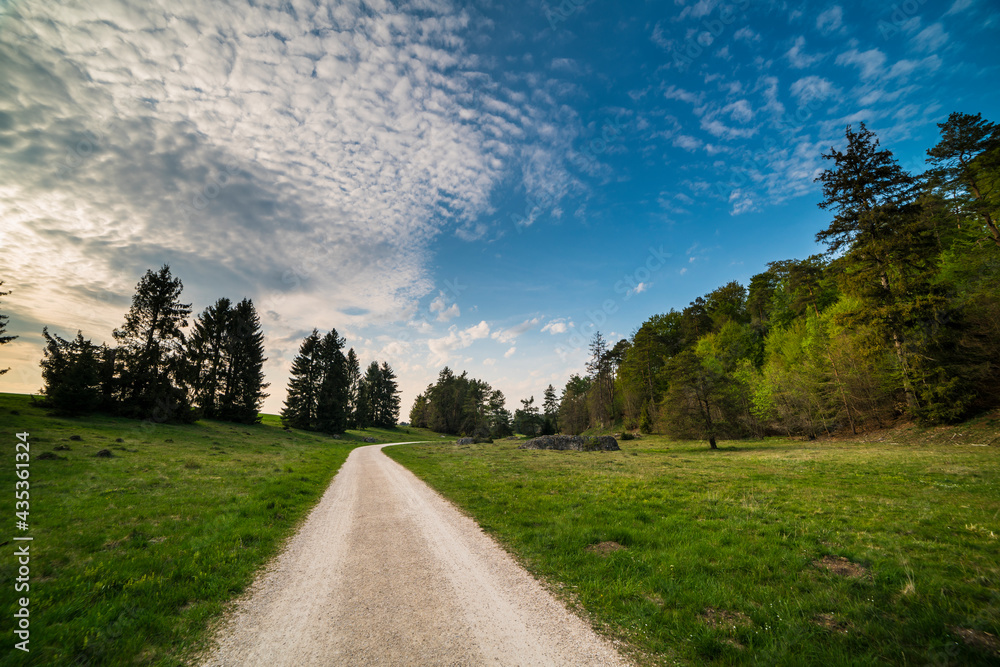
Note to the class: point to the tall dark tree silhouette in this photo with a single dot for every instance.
(150, 354)
(353, 387)
(71, 370)
(207, 351)
(303, 385)
(3, 328)
(332, 395)
(243, 392)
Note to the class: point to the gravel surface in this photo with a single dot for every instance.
(387, 572)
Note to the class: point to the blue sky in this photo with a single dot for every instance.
(474, 184)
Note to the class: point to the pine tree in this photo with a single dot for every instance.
(72, 374)
(354, 387)
(332, 396)
(303, 385)
(387, 413)
(3, 329)
(550, 407)
(208, 357)
(150, 356)
(968, 159)
(874, 214)
(243, 392)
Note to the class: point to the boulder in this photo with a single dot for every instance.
(369, 439)
(464, 441)
(579, 443)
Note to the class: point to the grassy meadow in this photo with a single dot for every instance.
(775, 552)
(135, 554)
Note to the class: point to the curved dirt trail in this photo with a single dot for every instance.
(386, 572)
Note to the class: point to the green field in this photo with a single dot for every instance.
(773, 552)
(134, 555)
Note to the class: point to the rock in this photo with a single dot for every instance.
(104, 454)
(370, 440)
(579, 443)
(464, 441)
(513, 437)
(75, 437)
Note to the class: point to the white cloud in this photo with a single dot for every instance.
(830, 20)
(958, 6)
(442, 348)
(797, 58)
(489, 361)
(812, 88)
(871, 62)
(745, 34)
(444, 312)
(511, 333)
(557, 326)
(639, 289)
(687, 142)
(509, 353)
(931, 38)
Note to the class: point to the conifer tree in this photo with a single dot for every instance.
(72, 374)
(303, 385)
(150, 356)
(353, 387)
(387, 413)
(243, 393)
(207, 354)
(332, 395)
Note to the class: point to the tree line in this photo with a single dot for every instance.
(162, 369)
(156, 370)
(899, 318)
(327, 392)
(460, 405)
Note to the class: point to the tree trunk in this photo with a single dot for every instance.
(711, 442)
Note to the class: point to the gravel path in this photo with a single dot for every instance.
(387, 572)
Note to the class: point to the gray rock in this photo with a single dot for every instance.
(579, 443)
(464, 441)
(370, 440)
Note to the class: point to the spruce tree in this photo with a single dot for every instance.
(303, 385)
(72, 374)
(243, 392)
(332, 397)
(353, 387)
(150, 356)
(966, 162)
(207, 354)
(388, 403)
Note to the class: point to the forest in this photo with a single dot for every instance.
(898, 319)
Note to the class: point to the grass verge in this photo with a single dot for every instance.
(770, 552)
(135, 554)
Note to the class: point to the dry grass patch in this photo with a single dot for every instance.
(842, 567)
(978, 639)
(605, 549)
(831, 623)
(720, 618)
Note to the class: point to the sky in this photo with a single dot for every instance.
(481, 185)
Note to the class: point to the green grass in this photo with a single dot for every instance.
(134, 556)
(719, 564)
